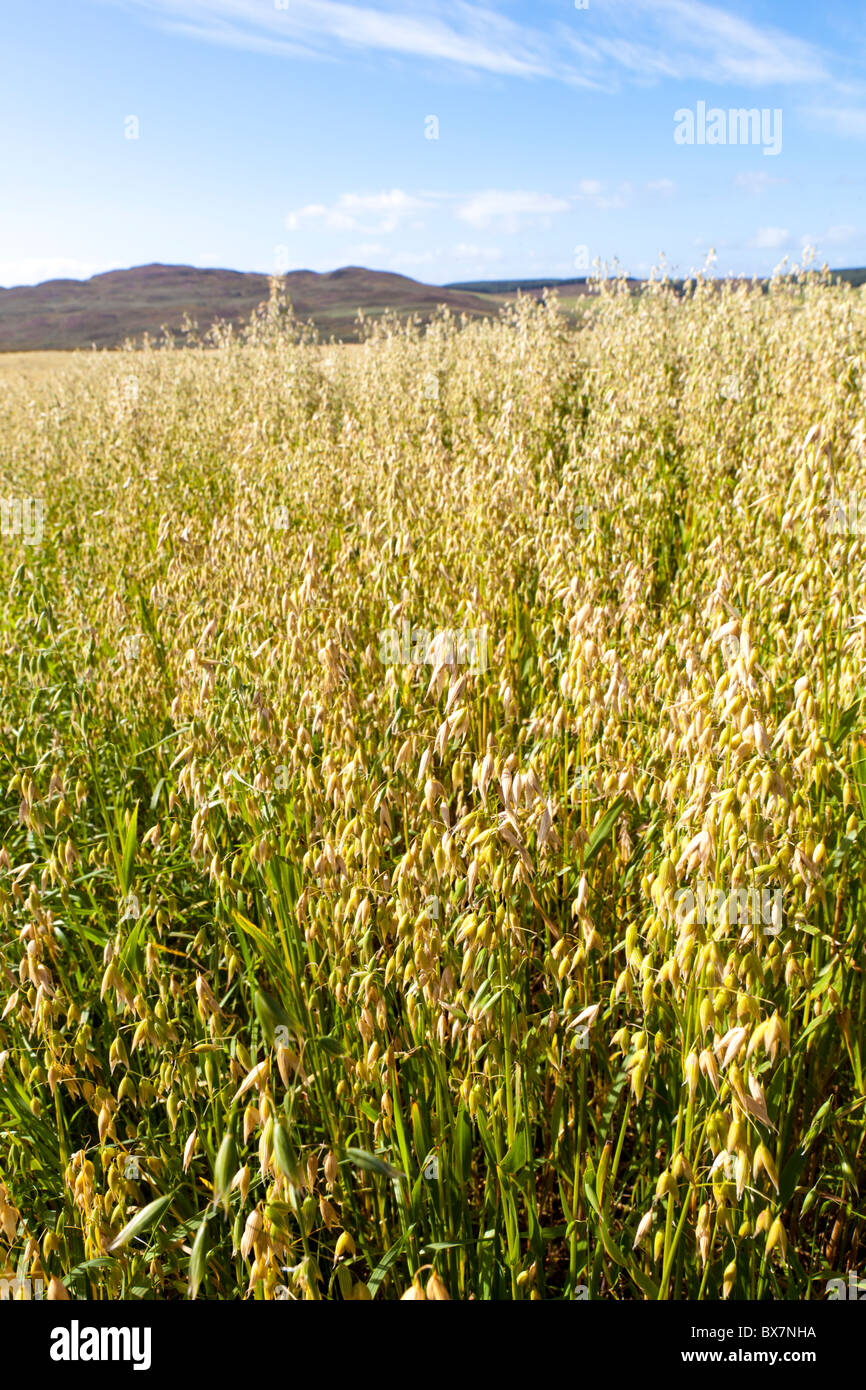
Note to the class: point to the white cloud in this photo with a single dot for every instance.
(478, 255)
(453, 32)
(414, 258)
(377, 214)
(34, 269)
(606, 198)
(511, 210)
(757, 181)
(366, 250)
(770, 238)
(839, 235)
(688, 39)
(593, 192)
(841, 120)
(370, 213)
(294, 219)
(464, 253)
(597, 48)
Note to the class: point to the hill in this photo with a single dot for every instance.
(107, 309)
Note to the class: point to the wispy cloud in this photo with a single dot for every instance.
(771, 238)
(478, 255)
(510, 210)
(593, 191)
(469, 35)
(613, 198)
(840, 235)
(653, 39)
(841, 120)
(371, 213)
(412, 260)
(756, 181)
(777, 238)
(464, 253)
(636, 41)
(506, 210)
(33, 270)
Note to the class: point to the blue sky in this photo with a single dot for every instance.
(272, 137)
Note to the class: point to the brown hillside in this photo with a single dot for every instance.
(107, 309)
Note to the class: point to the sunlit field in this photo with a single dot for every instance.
(433, 807)
(18, 368)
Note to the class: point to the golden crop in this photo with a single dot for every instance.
(434, 808)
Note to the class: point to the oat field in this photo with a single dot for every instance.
(433, 807)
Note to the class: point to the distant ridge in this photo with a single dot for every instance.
(515, 286)
(580, 284)
(118, 305)
(109, 308)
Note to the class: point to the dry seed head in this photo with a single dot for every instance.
(436, 1290)
(644, 1227)
(415, 1290)
(252, 1230)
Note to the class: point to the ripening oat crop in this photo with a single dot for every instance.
(433, 807)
